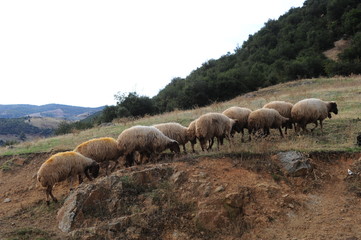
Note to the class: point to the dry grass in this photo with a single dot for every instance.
(339, 132)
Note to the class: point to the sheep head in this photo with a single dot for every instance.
(332, 107)
(174, 146)
(93, 169)
(236, 126)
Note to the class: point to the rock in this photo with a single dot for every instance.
(211, 219)
(92, 205)
(219, 189)
(7, 200)
(295, 163)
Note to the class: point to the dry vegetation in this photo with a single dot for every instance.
(339, 132)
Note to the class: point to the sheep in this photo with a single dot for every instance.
(177, 132)
(191, 133)
(102, 150)
(265, 118)
(62, 166)
(212, 125)
(241, 114)
(146, 140)
(284, 108)
(312, 110)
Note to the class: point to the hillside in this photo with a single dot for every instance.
(49, 110)
(239, 192)
(284, 49)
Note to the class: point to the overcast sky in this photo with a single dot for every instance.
(84, 52)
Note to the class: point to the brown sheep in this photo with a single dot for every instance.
(284, 108)
(211, 125)
(62, 166)
(241, 114)
(102, 150)
(312, 110)
(177, 132)
(265, 118)
(145, 140)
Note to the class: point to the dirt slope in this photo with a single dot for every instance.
(316, 206)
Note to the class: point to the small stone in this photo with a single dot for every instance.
(7, 200)
(219, 189)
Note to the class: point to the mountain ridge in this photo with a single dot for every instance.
(68, 112)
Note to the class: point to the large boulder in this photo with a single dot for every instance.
(93, 204)
(294, 163)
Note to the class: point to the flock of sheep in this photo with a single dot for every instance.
(145, 142)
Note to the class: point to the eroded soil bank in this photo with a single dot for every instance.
(229, 197)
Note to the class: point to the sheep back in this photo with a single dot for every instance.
(265, 118)
(239, 113)
(174, 131)
(284, 108)
(143, 139)
(99, 149)
(211, 125)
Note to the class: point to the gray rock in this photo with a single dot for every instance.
(295, 163)
(7, 200)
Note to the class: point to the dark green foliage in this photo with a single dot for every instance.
(19, 126)
(68, 127)
(128, 105)
(285, 49)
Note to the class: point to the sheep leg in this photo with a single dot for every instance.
(184, 148)
(49, 192)
(280, 129)
(193, 147)
(211, 141)
(129, 161)
(80, 178)
(321, 126)
(219, 142)
(266, 132)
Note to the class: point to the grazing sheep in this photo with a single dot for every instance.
(284, 108)
(265, 118)
(211, 125)
(146, 140)
(175, 131)
(102, 150)
(62, 166)
(241, 114)
(310, 110)
(191, 132)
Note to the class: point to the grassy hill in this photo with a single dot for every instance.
(339, 132)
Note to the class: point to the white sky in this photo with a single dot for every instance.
(83, 52)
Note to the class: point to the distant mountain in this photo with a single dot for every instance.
(65, 112)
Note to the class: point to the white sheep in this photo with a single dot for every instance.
(265, 118)
(146, 140)
(65, 165)
(102, 150)
(241, 114)
(214, 125)
(284, 108)
(312, 110)
(177, 132)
